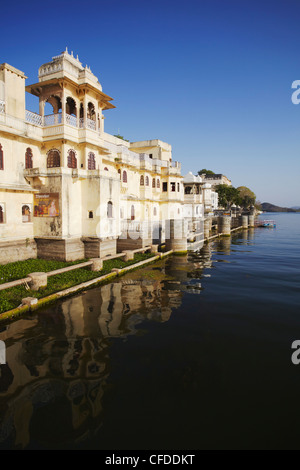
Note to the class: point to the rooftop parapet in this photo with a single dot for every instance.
(66, 65)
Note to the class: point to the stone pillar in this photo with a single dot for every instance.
(177, 239)
(129, 255)
(244, 221)
(78, 117)
(97, 264)
(85, 111)
(225, 224)
(63, 107)
(38, 280)
(251, 220)
(42, 109)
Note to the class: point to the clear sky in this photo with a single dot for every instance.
(211, 77)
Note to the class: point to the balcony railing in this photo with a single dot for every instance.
(55, 119)
(71, 120)
(90, 124)
(52, 119)
(33, 118)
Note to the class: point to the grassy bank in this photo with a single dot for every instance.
(11, 298)
(19, 269)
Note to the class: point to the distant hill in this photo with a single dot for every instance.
(267, 207)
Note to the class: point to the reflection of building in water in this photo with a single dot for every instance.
(126, 303)
(53, 380)
(58, 360)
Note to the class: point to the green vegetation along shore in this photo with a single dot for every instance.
(12, 298)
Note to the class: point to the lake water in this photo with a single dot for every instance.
(192, 352)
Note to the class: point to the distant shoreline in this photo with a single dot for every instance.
(267, 207)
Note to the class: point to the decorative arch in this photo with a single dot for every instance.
(26, 213)
(55, 102)
(153, 182)
(71, 106)
(53, 158)
(91, 114)
(124, 176)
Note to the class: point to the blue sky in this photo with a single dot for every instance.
(211, 77)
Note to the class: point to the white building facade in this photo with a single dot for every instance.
(68, 189)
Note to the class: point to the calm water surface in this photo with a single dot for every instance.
(189, 353)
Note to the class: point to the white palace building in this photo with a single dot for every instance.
(69, 190)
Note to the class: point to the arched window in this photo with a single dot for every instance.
(142, 180)
(109, 209)
(154, 211)
(55, 102)
(147, 180)
(72, 160)
(91, 111)
(124, 177)
(153, 182)
(132, 213)
(91, 161)
(158, 183)
(53, 159)
(28, 158)
(26, 213)
(1, 158)
(71, 106)
(1, 215)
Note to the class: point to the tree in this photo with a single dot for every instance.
(247, 196)
(120, 137)
(228, 195)
(205, 172)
